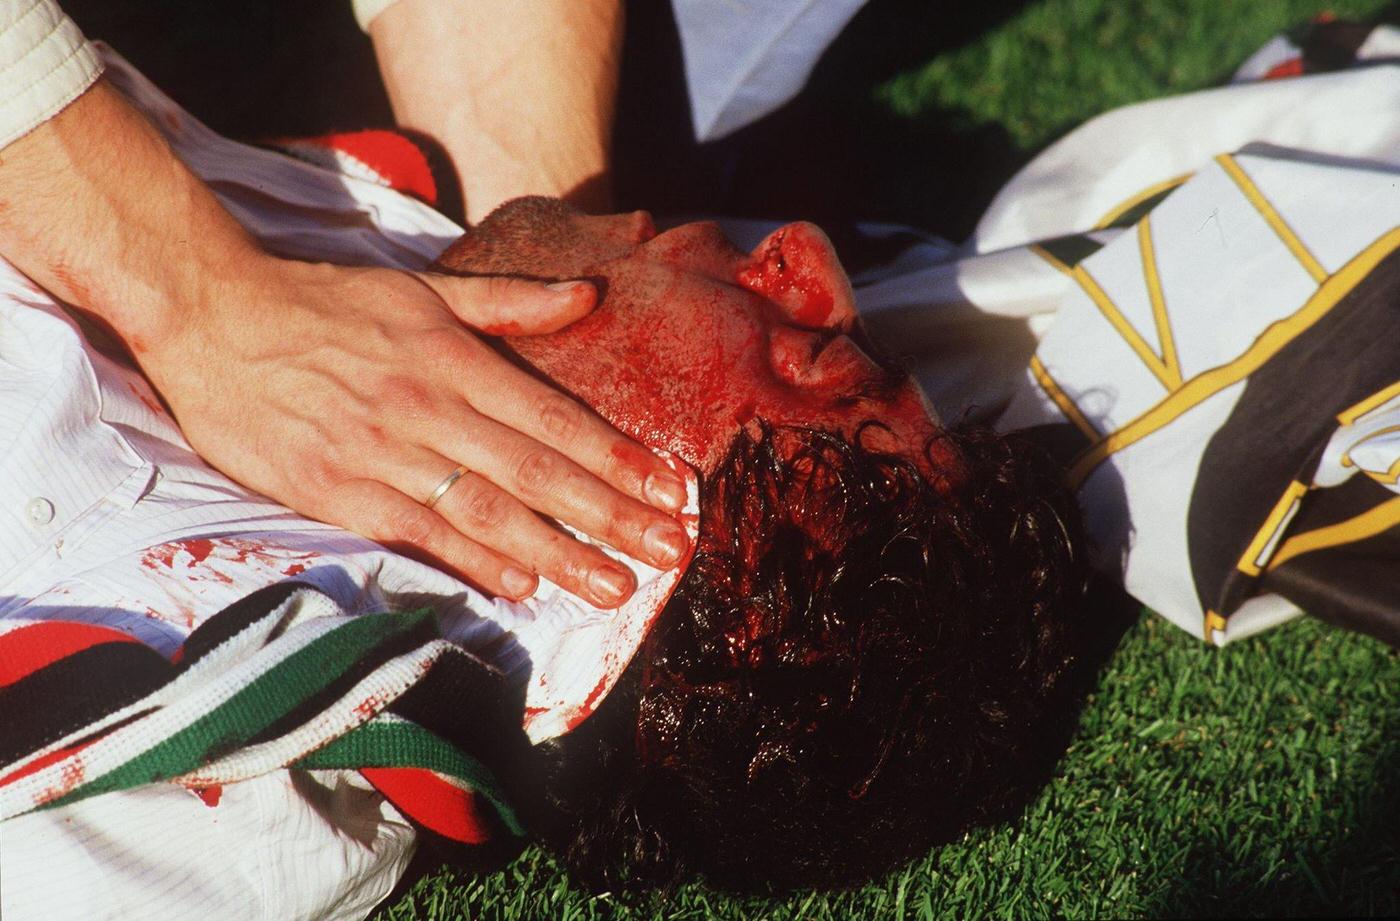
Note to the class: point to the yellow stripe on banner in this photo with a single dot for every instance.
(1138, 198)
(1124, 328)
(1159, 305)
(1267, 211)
(1062, 400)
(1213, 623)
(1350, 415)
(1049, 257)
(1368, 524)
(1346, 460)
(1389, 478)
(1207, 384)
(1248, 563)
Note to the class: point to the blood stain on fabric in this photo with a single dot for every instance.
(149, 403)
(589, 703)
(209, 795)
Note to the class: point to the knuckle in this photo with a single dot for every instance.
(560, 417)
(572, 568)
(323, 471)
(484, 507)
(366, 432)
(537, 470)
(412, 526)
(406, 395)
(442, 341)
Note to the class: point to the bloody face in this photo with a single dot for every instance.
(693, 340)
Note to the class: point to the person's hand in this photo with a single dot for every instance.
(347, 394)
(350, 394)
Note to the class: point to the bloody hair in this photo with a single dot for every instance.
(857, 665)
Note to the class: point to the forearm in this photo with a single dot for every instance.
(96, 207)
(522, 103)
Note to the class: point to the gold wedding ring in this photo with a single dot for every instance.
(444, 486)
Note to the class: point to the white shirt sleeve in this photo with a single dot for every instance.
(45, 63)
(366, 10)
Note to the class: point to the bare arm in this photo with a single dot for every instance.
(346, 394)
(521, 95)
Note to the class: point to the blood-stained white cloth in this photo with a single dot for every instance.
(107, 516)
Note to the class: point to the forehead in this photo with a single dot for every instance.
(544, 237)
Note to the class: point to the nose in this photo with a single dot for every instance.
(796, 268)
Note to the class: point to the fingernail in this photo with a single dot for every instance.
(567, 285)
(665, 543)
(518, 583)
(610, 585)
(665, 491)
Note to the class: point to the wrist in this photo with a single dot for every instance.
(101, 212)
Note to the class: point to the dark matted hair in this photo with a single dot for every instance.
(856, 666)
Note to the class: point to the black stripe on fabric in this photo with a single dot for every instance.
(1140, 210)
(339, 685)
(473, 707)
(487, 857)
(234, 619)
(1354, 585)
(1279, 427)
(1071, 250)
(1330, 46)
(470, 704)
(76, 691)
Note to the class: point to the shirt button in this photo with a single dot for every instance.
(40, 511)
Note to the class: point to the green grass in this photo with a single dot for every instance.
(1061, 61)
(1260, 779)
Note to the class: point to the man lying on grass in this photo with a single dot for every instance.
(867, 584)
(878, 611)
(866, 587)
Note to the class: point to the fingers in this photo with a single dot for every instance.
(475, 505)
(547, 481)
(402, 524)
(487, 535)
(502, 392)
(500, 306)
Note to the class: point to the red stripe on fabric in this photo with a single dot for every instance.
(388, 153)
(1293, 67)
(432, 802)
(40, 763)
(28, 649)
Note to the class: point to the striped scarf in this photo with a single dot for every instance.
(280, 679)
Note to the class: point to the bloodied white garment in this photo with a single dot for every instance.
(106, 515)
(108, 518)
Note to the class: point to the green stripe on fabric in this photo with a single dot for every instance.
(400, 743)
(266, 698)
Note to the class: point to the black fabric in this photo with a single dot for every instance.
(76, 691)
(341, 684)
(1275, 434)
(234, 619)
(1355, 585)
